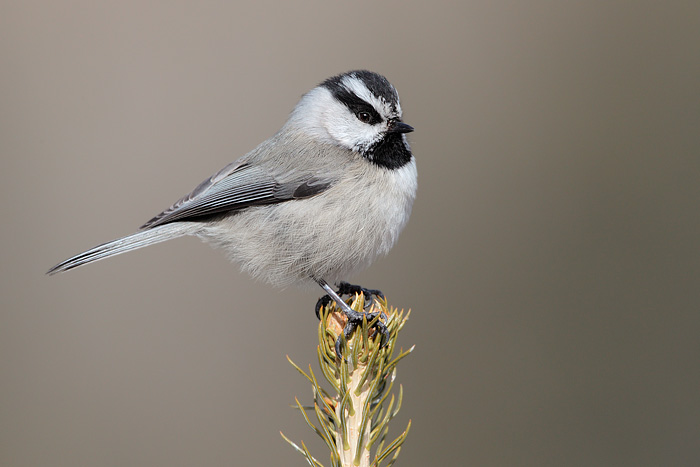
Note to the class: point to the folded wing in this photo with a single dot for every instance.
(235, 187)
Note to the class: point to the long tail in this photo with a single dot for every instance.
(130, 242)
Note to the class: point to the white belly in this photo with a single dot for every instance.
(329, 236)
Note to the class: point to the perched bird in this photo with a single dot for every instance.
(318, 201)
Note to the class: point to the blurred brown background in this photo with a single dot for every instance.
(551, 262)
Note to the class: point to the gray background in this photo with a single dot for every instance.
(551, 261)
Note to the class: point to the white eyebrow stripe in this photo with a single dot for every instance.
(358, 87)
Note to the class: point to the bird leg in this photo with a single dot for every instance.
(354, 318)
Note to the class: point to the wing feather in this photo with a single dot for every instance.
(237, 186)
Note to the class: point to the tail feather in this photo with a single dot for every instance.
(130, 242)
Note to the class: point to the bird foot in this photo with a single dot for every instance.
(349, 289)
(354, 318)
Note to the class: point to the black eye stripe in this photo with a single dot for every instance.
(374, 117)
(351, 100)
(357, 105)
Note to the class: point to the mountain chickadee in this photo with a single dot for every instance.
(321, 199)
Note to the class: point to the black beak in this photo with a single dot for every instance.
(399, 127)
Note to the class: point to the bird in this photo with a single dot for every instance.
(318, 201)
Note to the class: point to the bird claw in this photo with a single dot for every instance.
(349, 289)
(322, 303)
(355, 318)
(353, 323)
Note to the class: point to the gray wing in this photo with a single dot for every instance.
(237, 186)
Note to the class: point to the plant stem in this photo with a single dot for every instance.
(353, 420)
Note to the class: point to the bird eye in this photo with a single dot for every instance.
(364, 117)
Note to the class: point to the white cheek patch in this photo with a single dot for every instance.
(324, 117)
(311, 112)
(347, 130)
